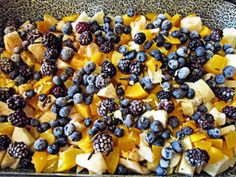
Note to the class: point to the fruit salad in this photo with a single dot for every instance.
(131, 94)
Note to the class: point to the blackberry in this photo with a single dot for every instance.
(212, 84)
(4, 142)
(82, 27)
(124, 66)
(48, 68)
(102, 143)
(196, 73)
(197, 157)
(139, 38)
(85, 38)
(136, 107)
(164, 95)
(168, 106)
(6, 65)
(106, 47)
(102, 80)
(33, 35)
(16, 102)
(51, 54)
(26, 71)
(224, 93)
(6, 93)
(18, 118)
(108, 68)
(136, 68)
(106, 107)
(59, 91)
(26, 162)
(192, 45)
(51, 41)
(230, 112)
(216, 35)
(18, 150)
(206, 121)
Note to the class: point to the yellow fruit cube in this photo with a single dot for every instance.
(176, 19)
(48, 135)
(116, 56)
(51, 20)
(205, 31)
(43, 26)
(230, 139)
(97, 58)
(52, 161)
(151, 16)
(215, 64)
(218, 143)
(136, 91)
(215, 155)
(227, 151)
(153, 64)
(6, 129)
(83, 109)
(152, 98)
(86, 142)
(127, 19)
(129, 141)
(206, 145)
(71, 18)
(121, 78)
(125, 38)
(94, 105)
(112, 160)
(39, 159)
(197, 137)
(156, 150)
(5, 54)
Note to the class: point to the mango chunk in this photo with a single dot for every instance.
(135, 91)
(50, 19)
(230, 139)
(129, 141)
(216, 64)
(227, 151)
(197, 137)
(48, 135)
(94, 105)
(205, 145)
(97, 58)
(218, 143)
(83, 109)
(116, 56)
(205, 31)
(6, 129)
(71, 18)
(112, 160)
(39, 160)
(86, 142)
(153, 64)
(215, 155)
(52, 161)
(156, 150)
(176, 19)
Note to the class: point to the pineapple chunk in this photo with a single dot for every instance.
(83, 17)
(184, 167)
(144, 150)
(162, 116)
(37, 50)
(108, 92)
(231, 58)
(61, 64)
(134, 166)
(192, 23)
(12, 40)
(7, 161)
(99, 17)
(22, 134)
(4, 110)
(2, 154)
(229, 35)
(227, 129)
(205, 91)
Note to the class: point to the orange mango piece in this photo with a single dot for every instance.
(6, 129)
(43, 26)
(151, 16)
(197, 137)
(156, 150)
(176, 19)
(205, 145)
(112, 160)
(52, 161)
(121, 78)
(220, 105)
(94, 105)
(205, 31)
(153, 64)
(97, 58)
(153, 99)
(230, 139)
(48, 135)
(39, 160)
(86, 142)
(50, 19)
(128, 141)
(127, 19)
(83, 109)
(68, 83)
(218, 143)
(125, 38)
(215, 155)
(190, 124)
(215, 65)
(227, 151)
(71, 18)
(5, 54)
(116, 56)
(136, 91)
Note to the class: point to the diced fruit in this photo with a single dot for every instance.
(225, 130)
(176, 19)
(116, 56)
(62, 64)
(231, 58)
(144, 150)
(39, 160)
(43, 26)
(94, 105)
(135, 91)
(218, 143)
(134, 166)
(229, 35)
(216, 64)
(230, 139)
(152, 100)
(6, 129)
(47, 116)
(184, 167)
(42, 81)
(29, 58)
(205, 145)
(83, 109)
(204, 90)
(51, 20)
(227, 151)
(7, 161)
(108, 92)
(5, 54)
(215, 155)
(205, 31)
(190, 124)
(219, 117)
(67, 159)
(151, 16)
(121, 78)
(173, 40)
(112, 160)
(128, 141)
(12, 40)
(77, 61)
(71, 18)
(4, 110)
(85, 143)
(48, 135)
(2, 154)
(68, 83)
(96, 163)
(192, 23)
(156, 150)
(97, 58)
(153, 64)
(38, 50)
(197, 137)
(52, 161)
(22, 134)
(175, 160)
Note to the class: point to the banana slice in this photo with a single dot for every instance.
(156, 77)
(229, 35)
(192, 23)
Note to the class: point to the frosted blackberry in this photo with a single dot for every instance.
(6, 93)
(102, 80)
(230, 112)
(197, 157)
(58, 91)
(48, 68)
(124, 66)
(33, 35)
(108, 68)
(49, 40)
(85, 38)
(18, 118)
(6, 65)
(106, 47)
(164, 95)
(206, 121)
(106, 107)
(224, 93)
(167, 105)
(196, 73)
(18, 150)
(51, 54)
(26, 71)
(102, 143)
(136, 68)
(82, 27)
(136, 107)
(4, 142)
(216, 35)
(16, 102)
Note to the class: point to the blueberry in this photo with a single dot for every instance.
(125, 102)
(54, 123)
(72, 90)
(209, 46)
(53, 148)
(64, 77)
(166, 134)
(167, 45)
(34, 122)
(166, 25)
(143, 123)
(191, 93)
(167, 152)
(107, 19)
(159, 39)
(184, 30)
(161, 171)
(118, 29)
(228, 71)
(141, 57)
(107, 27)
(56, 80)
(159, 141)
(157, 22)
(3, 119)
(172, 56)
(166, 86)
(150, 26)
(67, 28)
(200, 51)
(229, 51)
(226, 46)
(177, 146)
(214, 133)
(180, 134)
(67, 53)
(123, 49)
(61, 101)
(156, 54)
(91, 89)
(121, 170)
(217, 47)
(58, 131)
(70, 71)
(129, 121)
(194, 35)
(133, 79)
(209, 55)
(69, 129)
(181, 51)
(76, 136)
(176, 34)
(173, 64)
(65, 111)
(130, 55)
(148, 44)
(89, 67)
(173, 121)
(43, 127)
(119, 132)
(88, 100)
(55, 109)
(178, 93)
(92, 131)
(150, 137)
(100, 125)
(78, 98)
(219, 79)
(156, 126)
(40, 144)
(207, 38)
(30, 93)
(127, 30)
(88, 121)
(61, 141)
(53, 28)
(188, 130)
(164, 163)
(146, 83)
(181, 62)
(183, 38)
(63, 121)
(164, 33)
(81, 72)
(118, 19)
(19, 80)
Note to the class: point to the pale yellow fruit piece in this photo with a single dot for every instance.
(12, 40)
